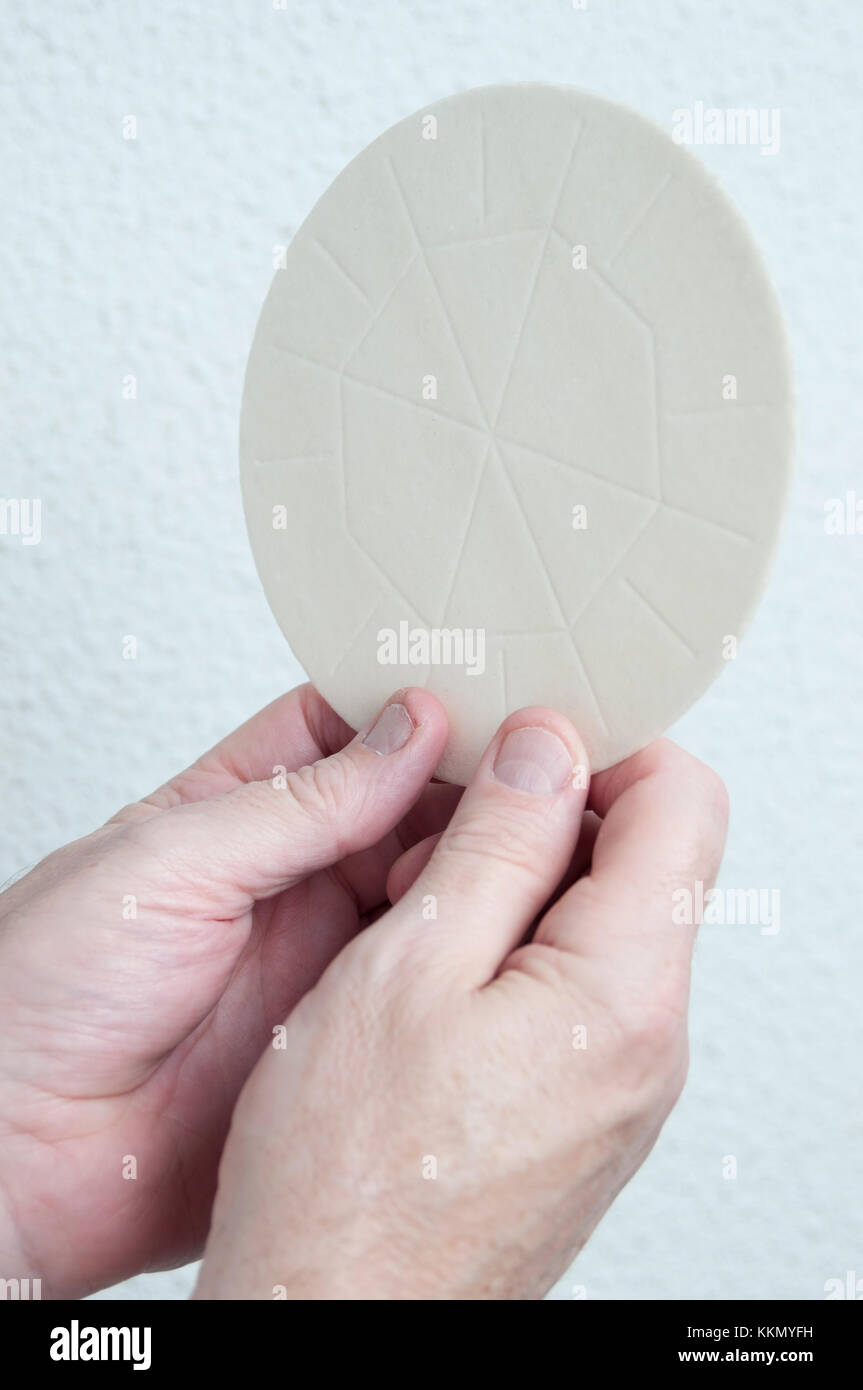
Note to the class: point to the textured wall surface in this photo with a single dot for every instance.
(150, 258)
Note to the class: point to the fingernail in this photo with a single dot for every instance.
(533, 760)
(391, 731)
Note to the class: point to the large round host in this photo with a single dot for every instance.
(517, 423)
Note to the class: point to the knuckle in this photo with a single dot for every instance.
(655, 1063)
(715, 800)
(718, 793)
(652, 1028)
(652, 1024)
(709, 793)
(711, 807)
(131, 814)
(325, 790)
(498, 836)
(675, 1078)
(700, 843)
(59, 868)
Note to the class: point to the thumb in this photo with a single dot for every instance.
(263, 837)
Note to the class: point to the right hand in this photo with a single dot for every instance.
(433, 1127)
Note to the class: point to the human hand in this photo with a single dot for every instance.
(128, 1037)
(433, 1127)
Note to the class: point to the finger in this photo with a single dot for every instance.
(583, 856)
(663, 829)
(406, 870)
(408, 867)
(265, 836)
(505, 849)
(580, 862)
(296, 729)
(366, 873)
(434, 810)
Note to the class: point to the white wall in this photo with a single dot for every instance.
(152, 256)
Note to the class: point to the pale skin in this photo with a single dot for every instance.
(434, 1099)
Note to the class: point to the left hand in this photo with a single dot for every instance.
(144, 967)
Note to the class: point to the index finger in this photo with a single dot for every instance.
(665, 816)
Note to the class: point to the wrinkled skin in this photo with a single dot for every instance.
(133, 1037)
(459, 1134)
(427, 1124)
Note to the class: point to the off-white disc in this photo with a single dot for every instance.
(517, 417)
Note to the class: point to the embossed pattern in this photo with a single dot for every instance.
(452, 407)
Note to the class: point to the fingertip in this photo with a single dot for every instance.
(514, 737)
(425, 709)
(411, 718)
